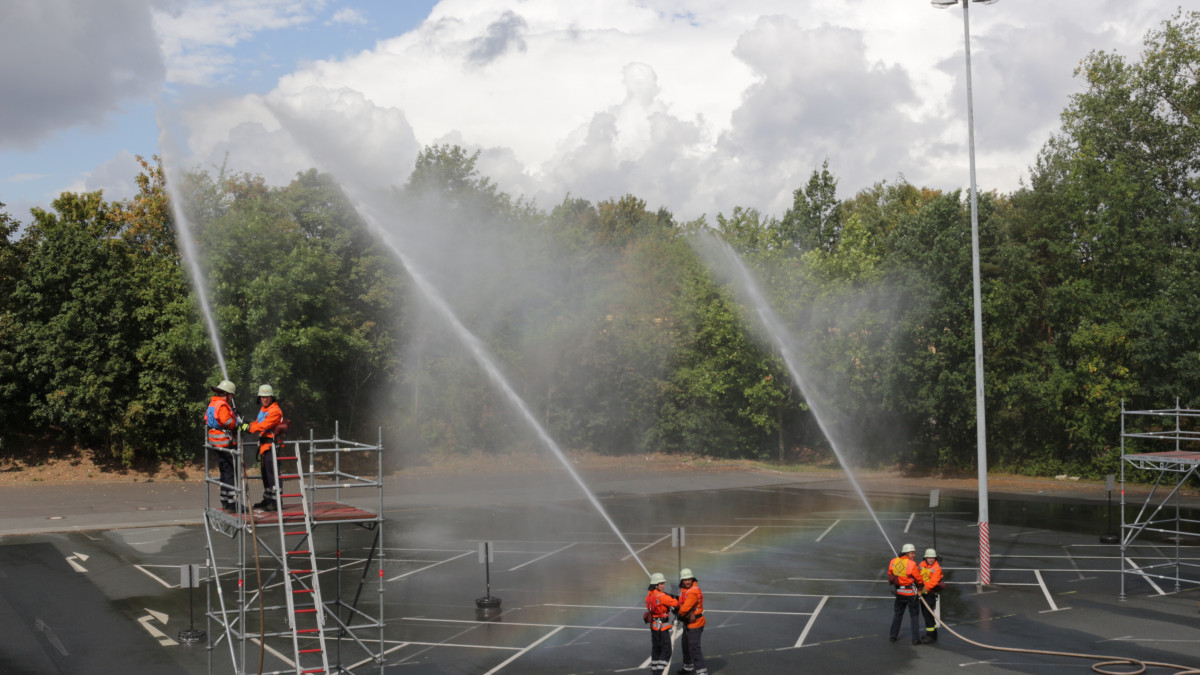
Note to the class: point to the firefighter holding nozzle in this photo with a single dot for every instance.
(222, 422)
(270, 426)
(659, 605)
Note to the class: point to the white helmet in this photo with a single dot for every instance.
(686, 573)
(225, 387)
(266, 390)
(907, 548)
(930, 553)
(657, 578)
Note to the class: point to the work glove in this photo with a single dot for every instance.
(242, 426)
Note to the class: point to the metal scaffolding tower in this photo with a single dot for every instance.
(282, 594)
(1158, 426)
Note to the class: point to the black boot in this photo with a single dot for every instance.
(233, 506)
(267, 504)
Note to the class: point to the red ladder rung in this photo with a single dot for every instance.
(288, 476)
(284, 459)
(298, 552)
(306, 611)
(308, 630)
(310, 651)
(301, 571)
(292, 495)
(296, 532)
(315, 670)
(303, 590)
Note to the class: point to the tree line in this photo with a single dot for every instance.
(613, 329)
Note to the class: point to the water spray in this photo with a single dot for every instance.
(191, 258)
(775, 330)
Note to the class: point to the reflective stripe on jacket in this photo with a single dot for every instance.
(220, 421)
(906, 574)
(659, 604)
(931, 576)
(691, 606)
(264, 425)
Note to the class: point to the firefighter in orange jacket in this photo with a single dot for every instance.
(932, 583)
(222, 423)
(659, 604)
(268, 427)
(691, 615)
(905, 576)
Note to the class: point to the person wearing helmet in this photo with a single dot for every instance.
(222, 422)
(659, 604)
(905, 576)
(932, 583)
(268, 425)
(691, 615)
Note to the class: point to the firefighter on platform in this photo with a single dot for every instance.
(222, 422)
(691, 615)
(659, 605)
(932, 583)
(269, 425)
(905, 576)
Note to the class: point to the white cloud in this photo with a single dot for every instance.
(347, 15)
(195, 36)
(698, 106)
(115, 177)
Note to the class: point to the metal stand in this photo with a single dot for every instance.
(1183, 464)
(254, 575)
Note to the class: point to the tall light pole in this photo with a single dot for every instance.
(985, 564)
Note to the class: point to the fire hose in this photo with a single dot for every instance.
(1103, 661)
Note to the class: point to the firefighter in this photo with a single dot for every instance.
(222, 423)
(904, 575)
(932, 583)
(691, 615)
(659, 605)
(268, 425)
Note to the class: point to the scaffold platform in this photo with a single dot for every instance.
(1153, 427)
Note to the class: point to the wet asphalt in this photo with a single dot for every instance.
(792, 569)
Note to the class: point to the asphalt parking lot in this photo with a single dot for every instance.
(792, 571)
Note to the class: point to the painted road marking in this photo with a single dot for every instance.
(519, 654)
(1046, 592)
(656, 541)
(74, 565)
(422, 569)
(747, 534)
(706, 611)
(1076, 566)
(811, 620)
(911, 518)
(828, 529)
(1145, 576)
(541, 557)
(50, 636)
(518, 623)
(155, 633)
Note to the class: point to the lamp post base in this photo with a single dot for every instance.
(1109, 539)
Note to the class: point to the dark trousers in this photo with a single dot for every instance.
(910, 604)
(693, 656)
(930, 622)
(270, 484)
(660, 650)
(228, 480)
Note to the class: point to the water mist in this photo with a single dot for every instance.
(191, 257)
(718, 251)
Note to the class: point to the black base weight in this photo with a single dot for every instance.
(1109, 539)
(192, 635)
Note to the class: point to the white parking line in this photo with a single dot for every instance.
(1046, 592)
(401, 576)
(541, 557)
(660, 539)
(735, 541)
(811, 620)
(1144, 576)
(910, 521)
(518, 655)
(828, 529)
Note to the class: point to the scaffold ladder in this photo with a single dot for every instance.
(302, 587)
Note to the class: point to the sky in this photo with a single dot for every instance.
(694, 105)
